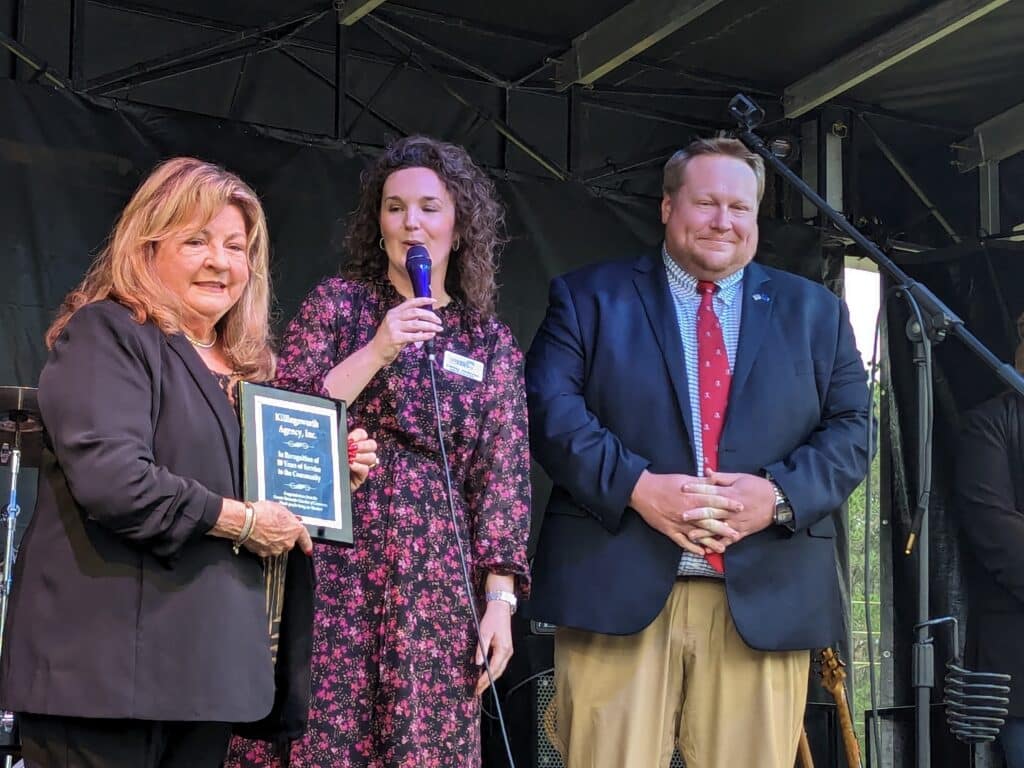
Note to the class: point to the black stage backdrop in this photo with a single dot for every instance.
(67, 167)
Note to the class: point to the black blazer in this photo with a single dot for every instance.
(606, 384)
(989, 501)
(122, 606)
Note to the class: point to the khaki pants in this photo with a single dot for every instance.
(687, 679)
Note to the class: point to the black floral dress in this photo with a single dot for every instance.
(393, 671)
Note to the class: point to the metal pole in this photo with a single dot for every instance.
(575, 125)
(11, 521)
(18, 27)
(233, 104)
(506, 117)
(988, 197)
(75, 44)
(364, 105)
(22, 53)
(469, 66)
(231, 46)
(292, 42)
(923, 653)
(503, 129)
(653, 114)
(340, 74)
(905, 175)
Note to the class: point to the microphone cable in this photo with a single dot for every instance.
(467, 581)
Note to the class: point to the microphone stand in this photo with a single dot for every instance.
(932, 321)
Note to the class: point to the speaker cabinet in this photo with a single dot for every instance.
(544, 753)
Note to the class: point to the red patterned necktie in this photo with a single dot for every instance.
(713, 384)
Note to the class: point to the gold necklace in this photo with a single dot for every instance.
(202, 344)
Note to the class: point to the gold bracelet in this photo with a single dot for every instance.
(247, 527)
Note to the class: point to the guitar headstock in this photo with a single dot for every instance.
(833, 672)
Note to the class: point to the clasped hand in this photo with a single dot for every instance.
(707, 514)
(755, 496)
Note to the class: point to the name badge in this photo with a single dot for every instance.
(463, 366)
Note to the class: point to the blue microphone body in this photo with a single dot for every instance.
(417, 264)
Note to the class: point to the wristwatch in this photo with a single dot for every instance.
(783, 513)
(505, 597)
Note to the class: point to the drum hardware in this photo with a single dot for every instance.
(21, 441)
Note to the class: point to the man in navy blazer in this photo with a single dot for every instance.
(656, 647)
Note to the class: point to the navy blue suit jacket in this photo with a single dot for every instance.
(608, 397)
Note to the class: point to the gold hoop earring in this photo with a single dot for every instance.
(457, 244)
(380, 243)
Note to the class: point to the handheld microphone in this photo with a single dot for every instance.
(417, 264)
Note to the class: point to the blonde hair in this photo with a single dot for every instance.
(675, 168)
(171, 198)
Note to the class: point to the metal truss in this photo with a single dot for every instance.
(607, 46)
(413, 51)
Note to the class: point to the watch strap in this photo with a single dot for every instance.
(505, 597)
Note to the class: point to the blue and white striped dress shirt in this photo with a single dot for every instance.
(728, 306)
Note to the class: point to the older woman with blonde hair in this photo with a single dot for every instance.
(138, 628)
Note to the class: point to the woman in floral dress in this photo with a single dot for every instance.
(397, 671)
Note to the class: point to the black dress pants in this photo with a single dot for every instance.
(49, 741)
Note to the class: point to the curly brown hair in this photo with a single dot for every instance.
(479, 219)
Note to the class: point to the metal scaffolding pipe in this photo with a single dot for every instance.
(469, 66)
(340, 75)
(610, 169)
(503, 129)
(231, 46)
(493, 30)
(36, 63)
(653, 114)
(905, 175)
(392, 73)
(76, 43)
(126, 6)
(18, 27)
(233, 104)
(365, 106)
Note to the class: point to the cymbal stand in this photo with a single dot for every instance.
(7, 724)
